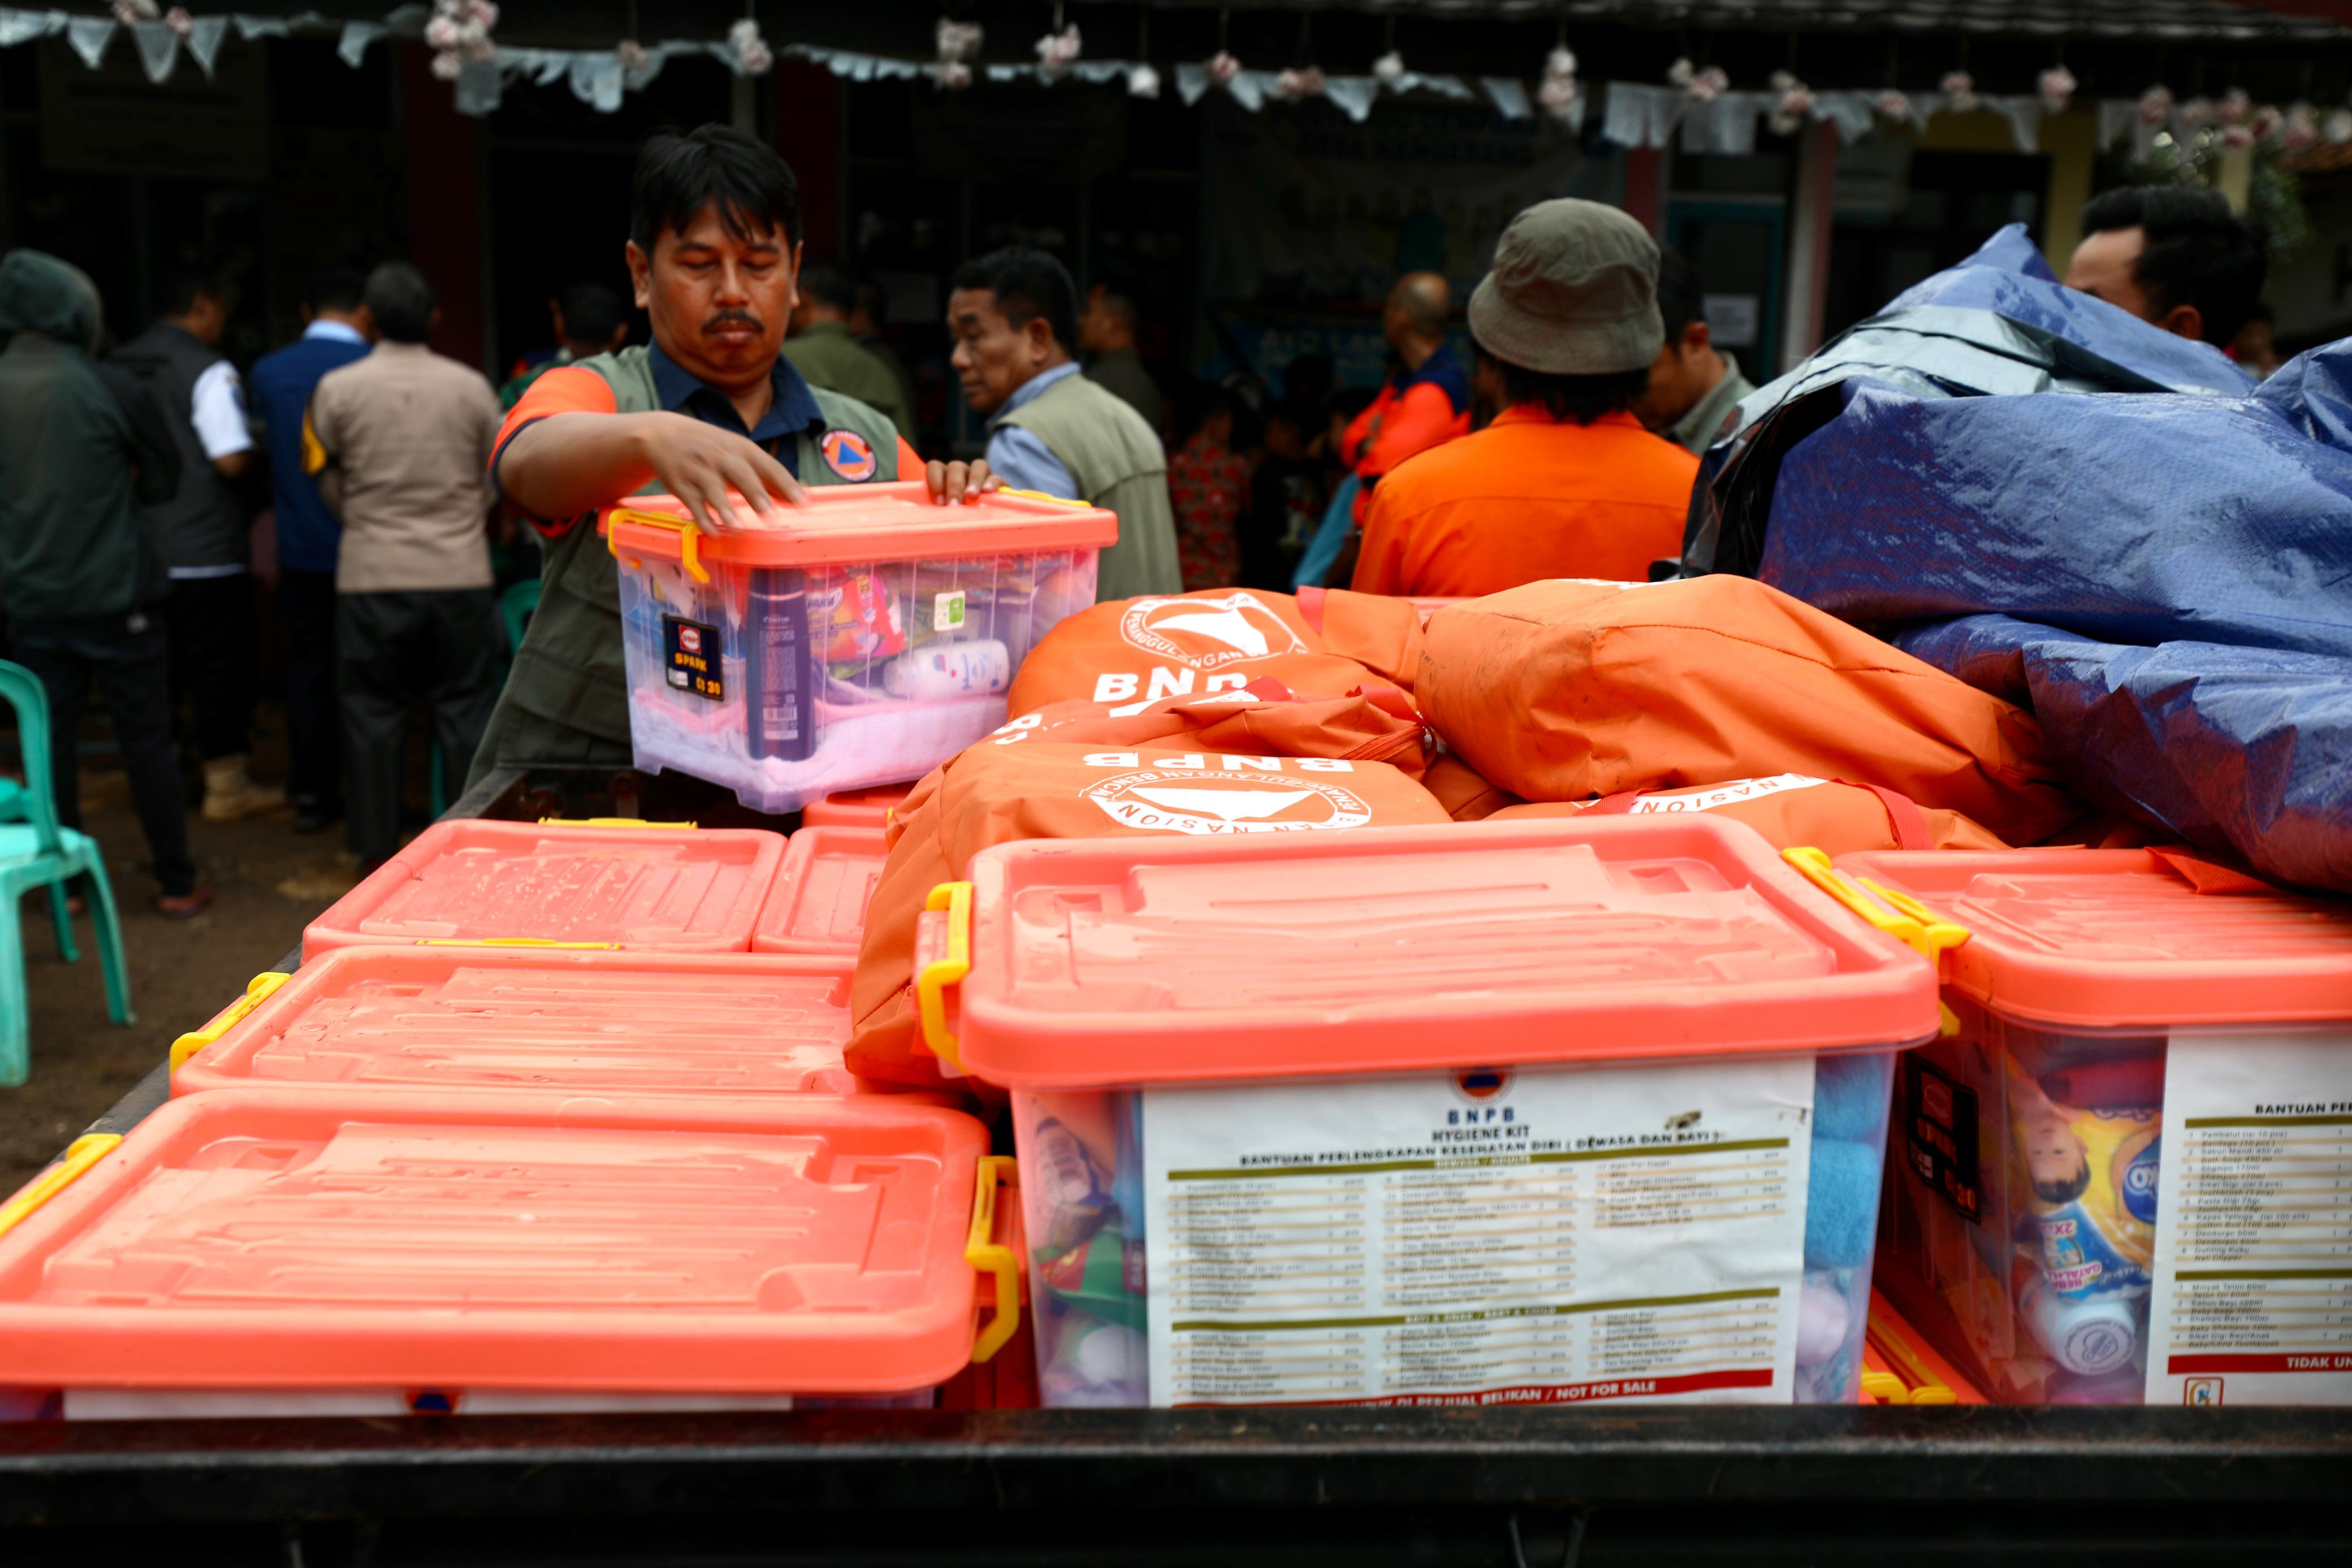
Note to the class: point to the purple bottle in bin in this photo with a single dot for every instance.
(779, 676)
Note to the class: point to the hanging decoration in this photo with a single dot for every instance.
(959, 46)
(752, 55)
(1059, 49)
(1696, 104)
(1142, 81)
(1795, 102)
(1557, 92)
(460, 34)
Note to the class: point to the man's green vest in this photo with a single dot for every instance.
(1117, 463)
(567, 700)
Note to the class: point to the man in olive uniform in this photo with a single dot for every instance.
(1011, 315)
(708, 412)
(827, 357)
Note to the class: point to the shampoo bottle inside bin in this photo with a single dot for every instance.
(780, 706)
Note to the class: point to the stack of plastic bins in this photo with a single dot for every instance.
(855, 807)
(665, 888)
(866, 639)
(589, 1022)
(817, 903)
(2128, 1176)
(263, 1251)
(1538, 1111)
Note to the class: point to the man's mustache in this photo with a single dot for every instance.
(734, 319)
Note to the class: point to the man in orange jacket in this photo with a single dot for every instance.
(1565, 482)
(1425, 400)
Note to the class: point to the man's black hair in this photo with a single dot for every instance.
(183, 283)
(402, 300)
(679, 173)
(1577, 400)
(873, 301)
(1678, 296)
(593, 311)
(1198, 402)
(1119, 299)
(830, 286)
(1028, 284)
(338, 288)
(2199, 252)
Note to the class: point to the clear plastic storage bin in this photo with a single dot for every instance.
(2127, 1176)
(867, 639)
(1526, 1112)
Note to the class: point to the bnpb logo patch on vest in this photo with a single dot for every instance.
(849, 454)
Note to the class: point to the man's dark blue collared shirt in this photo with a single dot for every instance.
(794, 410)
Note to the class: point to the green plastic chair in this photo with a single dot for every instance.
(518, 602)
(37, 853)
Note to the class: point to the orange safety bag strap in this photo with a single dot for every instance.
(1902, 814)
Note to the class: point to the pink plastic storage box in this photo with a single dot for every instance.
(855, 807)
(257, 1250)
(416, 1018)
(1534, 1112)
(866, 639)
(818, 902)
(2128, 1176)
(669, 888)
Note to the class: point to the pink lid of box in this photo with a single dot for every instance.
(257, 1239)
(467, 1018)
(671, 889)
(846, 525)
(817, 903)
(856, 808)
(1097, 963)
(2112, 938)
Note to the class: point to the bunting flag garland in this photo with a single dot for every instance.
(1696, 108)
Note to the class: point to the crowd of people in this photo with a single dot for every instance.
(1568, 446)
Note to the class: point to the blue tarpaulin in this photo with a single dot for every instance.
(2078, 511)
(2236, 749)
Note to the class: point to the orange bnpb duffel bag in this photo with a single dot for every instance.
(1791, 810)
(1134, 651)
(1565, 690)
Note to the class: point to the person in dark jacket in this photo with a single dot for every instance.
(203, 531)
(82, 456)
(337, 332)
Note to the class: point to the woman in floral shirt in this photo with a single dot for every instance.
(1208, 483)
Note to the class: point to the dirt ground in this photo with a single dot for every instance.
(270, 881)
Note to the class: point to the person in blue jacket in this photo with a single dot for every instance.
(309, 536)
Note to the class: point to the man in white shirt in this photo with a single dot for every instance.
(203, 533)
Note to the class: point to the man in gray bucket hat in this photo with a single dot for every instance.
(1565, 482)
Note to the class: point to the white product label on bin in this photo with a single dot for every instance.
(1522, 1238)
(2253, 1296)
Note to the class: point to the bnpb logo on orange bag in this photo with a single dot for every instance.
(849, 454)
(1163, 801)
(1208, 634)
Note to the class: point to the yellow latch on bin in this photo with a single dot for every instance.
(689, 534)
(257, 990)
(85, 1152)
(985, 1252)
(954, 963)
(1901, 917)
